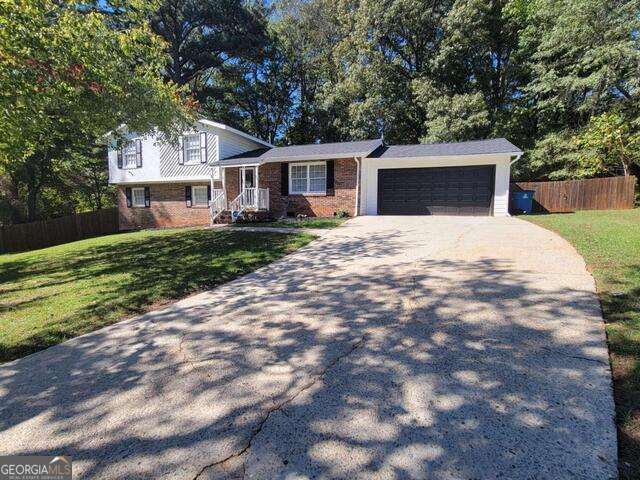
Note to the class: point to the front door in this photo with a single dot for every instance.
(247, 177)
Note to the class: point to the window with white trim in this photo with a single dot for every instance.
(308, 178)
(192, 148)
(129, 155)
(200, 196)
(137, 197)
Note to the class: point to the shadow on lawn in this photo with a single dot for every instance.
(153, 269)
(433, 374)
(622, 313)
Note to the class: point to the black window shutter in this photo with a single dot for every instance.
(330, 174)
(284, 171)
(127, 192)
(209, 192)
(138, 153)
(187, 195)
(120, 158)
(147, 197)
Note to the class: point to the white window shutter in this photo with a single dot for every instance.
(181, 150)
(203, 147)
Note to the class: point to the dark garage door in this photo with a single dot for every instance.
(436, 191)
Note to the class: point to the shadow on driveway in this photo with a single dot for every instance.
(372, 353)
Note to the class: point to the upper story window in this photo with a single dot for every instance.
(308, 178)
(192, 148)
(129, 155)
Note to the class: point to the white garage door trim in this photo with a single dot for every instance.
(370, 167)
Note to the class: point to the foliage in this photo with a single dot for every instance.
(584, 59)
(451, 118)
(256, 96)
(203, 35)
(609, 241)
(60, 292)
(610, 145)
(68, 76)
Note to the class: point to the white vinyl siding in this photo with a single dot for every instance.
(308, 178)
(137, 197)
(200, 196)
(129, 155)
(192, 149)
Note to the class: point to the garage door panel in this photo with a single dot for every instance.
(436, 191)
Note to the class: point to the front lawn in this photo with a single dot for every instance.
(609, 241)
(53, 294)
(312, 222)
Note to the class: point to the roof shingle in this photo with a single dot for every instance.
(474, 147)
(304, 152)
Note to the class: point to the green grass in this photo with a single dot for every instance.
(53, 294)
(315, 222)
(609, 241)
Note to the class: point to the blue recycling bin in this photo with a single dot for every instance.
(522, 201)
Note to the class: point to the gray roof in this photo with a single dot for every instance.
(369, 149)
(474, 147)
(314, 151)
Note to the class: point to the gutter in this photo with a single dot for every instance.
(357, 209)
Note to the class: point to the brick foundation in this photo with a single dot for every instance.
(341, 197)
(168, 208)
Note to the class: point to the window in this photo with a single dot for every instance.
(129, 155)
(308, 178)
(200, 196)
(137, 197)
(192, 148)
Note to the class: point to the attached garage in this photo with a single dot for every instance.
(466, 178)
(436, 191)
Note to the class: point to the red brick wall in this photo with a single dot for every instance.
(341, 197)
(168, 208)
(232, 182)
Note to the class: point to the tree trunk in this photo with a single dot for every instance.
(34, 172)
(32, 203)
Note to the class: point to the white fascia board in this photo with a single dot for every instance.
(166, 180)
(238, 165)
(469, 156)
(222, 126)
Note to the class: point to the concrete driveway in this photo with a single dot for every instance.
(393, 347)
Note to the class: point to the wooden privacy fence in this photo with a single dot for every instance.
(612, 193)
(45, 233)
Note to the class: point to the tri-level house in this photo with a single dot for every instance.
(171, 185)
(216, 173)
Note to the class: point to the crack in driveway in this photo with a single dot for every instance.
(315, 378)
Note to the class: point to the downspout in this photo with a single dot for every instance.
(517, 157)
(212, 194)
(357, 209)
